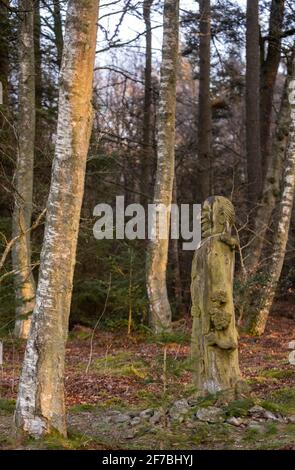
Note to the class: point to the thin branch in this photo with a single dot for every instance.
(14, 240)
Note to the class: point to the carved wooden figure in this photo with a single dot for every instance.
(214, 334)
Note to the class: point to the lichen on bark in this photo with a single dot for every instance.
(157, 256)
(40, 406)
(22, 214)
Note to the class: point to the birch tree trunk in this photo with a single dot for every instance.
(205, 115)
(282, 228)
(21, 252)
(252, 103)
(40, 406)
(271, 189)
(160, 311)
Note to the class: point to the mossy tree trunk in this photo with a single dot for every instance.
(40, 406)
(160, 311)
(23, 179)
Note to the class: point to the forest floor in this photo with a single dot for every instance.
(131, 398)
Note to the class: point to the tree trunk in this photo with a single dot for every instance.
(271, 190)
(160, 311)
(176, 265)
(40, 406)
(252, 104)
(58, 32)
(269, 69)
(205, 115)
(21, 252)
(4, 60)
(7, 137)
(37, 50)
(282, 227)
(147, 110)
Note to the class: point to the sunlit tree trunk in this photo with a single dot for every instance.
(252, 104)
(205, 113)
(21, 253)
(160, 311)
(282, 228)
(40, 406)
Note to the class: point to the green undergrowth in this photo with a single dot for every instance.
(277, 374)
(83, 407)
(238, 408)
(123, 364)
(7, 406)
(281, 401)
(181, 337)
(74, 441)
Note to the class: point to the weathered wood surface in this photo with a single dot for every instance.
(214, 334)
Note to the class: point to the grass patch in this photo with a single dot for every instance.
(258, 379)
(238, 408)
(115, 402)
(277, 373)
(251, 434)
(82, 408)
(81, 334)
(205, 402)
(122, 364)
(177, 337)
(207, 434)
(175, 366)
(271, 429)
(7, 406)
(154, 399)
(281, 401)
(74, 441)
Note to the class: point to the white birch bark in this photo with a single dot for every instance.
(160, 311)
(40, 404)
(282, 228)
(22, 215)
(271, 190)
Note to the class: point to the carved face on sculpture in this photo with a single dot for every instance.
(218, 216)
